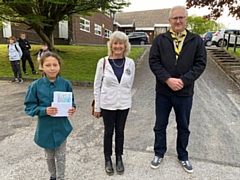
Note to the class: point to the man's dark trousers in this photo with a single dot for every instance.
(182, 106)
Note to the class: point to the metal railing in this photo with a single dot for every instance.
(228, 39)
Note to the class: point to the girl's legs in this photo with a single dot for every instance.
(49, 155)
(39, 65)
(60, 154)
(59, 165)
(14, 68)
(19, 72)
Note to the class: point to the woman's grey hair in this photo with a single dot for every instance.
(115, 36)
(177, 7)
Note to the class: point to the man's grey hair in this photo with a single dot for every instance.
(177, 7)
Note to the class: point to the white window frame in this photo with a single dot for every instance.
(107, 33)
(85, 26)
(63, 29)
(97, 30)
(7, 29)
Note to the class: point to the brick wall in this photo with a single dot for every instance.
(77, 36)
(82, 37)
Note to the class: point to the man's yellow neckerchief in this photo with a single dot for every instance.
(177, 41)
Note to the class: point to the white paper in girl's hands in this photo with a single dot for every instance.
(62, 109)
(63, 102)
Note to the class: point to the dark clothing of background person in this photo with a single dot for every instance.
(25, 46)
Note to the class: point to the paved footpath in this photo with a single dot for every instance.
(22, 159)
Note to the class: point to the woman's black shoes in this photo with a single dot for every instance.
(108, 166)
(119, 165)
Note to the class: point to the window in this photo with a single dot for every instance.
(84, 25)
(107, 33)
(97, 29)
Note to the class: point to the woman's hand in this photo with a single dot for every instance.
(97, 114)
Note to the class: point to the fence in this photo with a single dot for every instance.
(228, 39)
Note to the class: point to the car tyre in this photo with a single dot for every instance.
(142, 42)
(219, 43)
(208, 43)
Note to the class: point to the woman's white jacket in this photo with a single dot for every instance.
(108, 92)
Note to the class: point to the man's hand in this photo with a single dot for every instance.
(175, 84)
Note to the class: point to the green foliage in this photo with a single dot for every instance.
(198, 25)
(217, 7)
(237, 53)
(79, 62)
(44, 15)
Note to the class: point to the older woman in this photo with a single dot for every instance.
(112, 91)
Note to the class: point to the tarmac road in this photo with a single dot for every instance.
(213, 147)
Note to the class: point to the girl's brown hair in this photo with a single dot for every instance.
(12, 38)
(50, 54)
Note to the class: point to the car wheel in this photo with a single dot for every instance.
(208, 43)
(219, 43)
(142, 42)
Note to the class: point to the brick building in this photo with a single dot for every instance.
(94, 29)
(153, 22)
(97, 28)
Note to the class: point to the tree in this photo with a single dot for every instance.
(44, 15)
(200, 25)
(217, 6)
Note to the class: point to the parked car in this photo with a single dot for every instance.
(207, 38)
(138, 38)
(218, 40)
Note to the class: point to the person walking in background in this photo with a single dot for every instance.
(15, 53)
(43, 50)
(177, 58)
(25, 46)
(112, 92)
(51, 132)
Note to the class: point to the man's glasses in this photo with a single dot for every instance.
(176, 18)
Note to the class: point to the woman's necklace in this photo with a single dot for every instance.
(118, 65)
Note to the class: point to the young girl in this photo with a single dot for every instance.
(51, 132)
(15, 54)
(43, 50)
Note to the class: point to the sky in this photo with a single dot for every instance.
(140, 5)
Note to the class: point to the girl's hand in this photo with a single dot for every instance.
(51, 111)
(71, 111)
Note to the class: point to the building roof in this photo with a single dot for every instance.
(143, 20)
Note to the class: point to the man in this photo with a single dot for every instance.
(177, 58)
(25, 46)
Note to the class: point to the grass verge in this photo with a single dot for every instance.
(79, 62)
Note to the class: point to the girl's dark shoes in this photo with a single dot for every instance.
(119, 165)
(108, 166)
(51, 178)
